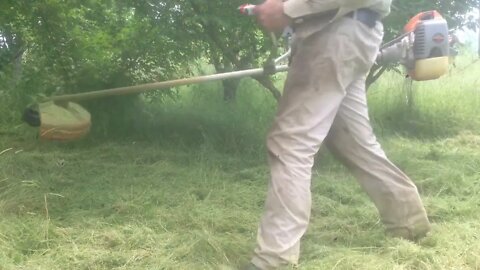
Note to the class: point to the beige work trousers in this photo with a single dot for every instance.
(324, 100)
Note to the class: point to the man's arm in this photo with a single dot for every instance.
(274, 15)
(271, 15)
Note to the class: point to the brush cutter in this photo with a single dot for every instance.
(423, 50)
(60, 118)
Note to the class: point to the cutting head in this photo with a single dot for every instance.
(59, 122)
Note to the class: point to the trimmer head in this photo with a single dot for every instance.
(59, 122)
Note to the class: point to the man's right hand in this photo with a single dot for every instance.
(271, 16)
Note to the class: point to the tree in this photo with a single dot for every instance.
(57, 46)
(230, 41)
(12, 41)
(74, 46)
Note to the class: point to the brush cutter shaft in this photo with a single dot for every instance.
(162, 85)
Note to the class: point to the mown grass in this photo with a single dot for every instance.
(188, 191)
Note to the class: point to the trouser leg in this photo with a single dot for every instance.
(322, 67)
(351, 139)
(301, 125)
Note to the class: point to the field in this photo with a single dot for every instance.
(187, 191)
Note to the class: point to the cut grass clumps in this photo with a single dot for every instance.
(146, 206)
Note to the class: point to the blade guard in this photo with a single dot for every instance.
(63, 122)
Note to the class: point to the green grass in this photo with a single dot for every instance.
(436, 108)
(188, 192)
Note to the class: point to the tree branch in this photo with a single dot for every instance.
(264, 80)
(375, 72)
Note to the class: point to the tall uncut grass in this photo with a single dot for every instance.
(434, 108)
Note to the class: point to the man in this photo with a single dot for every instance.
(336, 43)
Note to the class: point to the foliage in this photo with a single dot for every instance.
(75, 46)
(455, 12)
(52, 47)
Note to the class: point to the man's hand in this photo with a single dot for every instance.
(271, 16)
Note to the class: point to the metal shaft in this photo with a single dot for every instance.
(162, 85)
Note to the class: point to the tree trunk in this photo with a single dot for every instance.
(478, 29)
(230, 86)
(18, 68)
(15, 45)
(230, 89)
(267, 83)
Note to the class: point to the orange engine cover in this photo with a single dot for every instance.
(422, 16)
